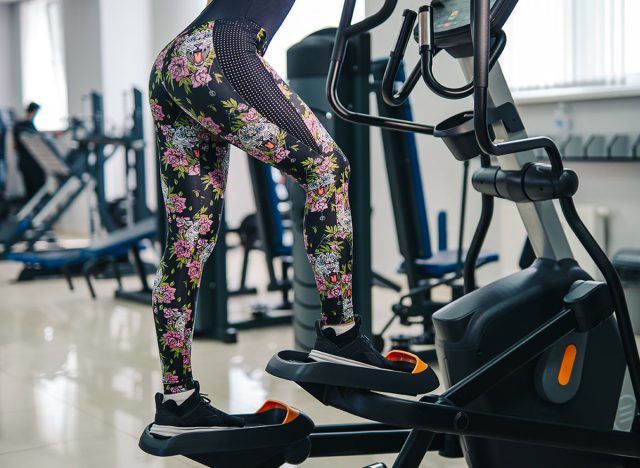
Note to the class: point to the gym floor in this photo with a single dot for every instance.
(77, 376)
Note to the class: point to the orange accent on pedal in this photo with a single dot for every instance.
(397, 355)
(566, 367)
(292, 413)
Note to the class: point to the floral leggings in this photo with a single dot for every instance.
(210, 88)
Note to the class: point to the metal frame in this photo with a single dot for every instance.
(447, 413)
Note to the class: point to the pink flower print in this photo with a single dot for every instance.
(281, 154)
(205, 225)
(167, 293)
(187, 313)
(312, 124)
(346, 279)
(216, 178)
(173, 339)
(171, 379)
(204, 136)
(182, 249)
(320, 283)
(319, 205)
(250, 116)
(166, 130)
(242, 107)
(178, 68)
(170, 312)
(335, 291)
(181, 221)
(200, 78)
(156, 112)
(221, 151)
(177, 204)
(186, 358)
(173, 155)
(326, 165)
(324, 320)
(309, 199)
(176, 158)
(317, 161)
(160, 60)
(211, 24)
(194, 170)
(211, 125)
(194, 269)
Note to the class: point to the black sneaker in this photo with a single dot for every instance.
(352, 348)
(194, 415)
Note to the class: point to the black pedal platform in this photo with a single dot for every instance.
(298, 367)
(276, 434)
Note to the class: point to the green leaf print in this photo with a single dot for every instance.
(230, 104)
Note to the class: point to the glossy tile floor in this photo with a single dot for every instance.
(77, 377)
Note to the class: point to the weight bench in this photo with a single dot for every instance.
(91, 259)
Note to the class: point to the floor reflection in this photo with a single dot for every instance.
(77, 376)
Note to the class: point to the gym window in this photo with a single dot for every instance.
(579, 48)
(42, 61)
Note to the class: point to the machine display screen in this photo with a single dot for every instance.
(452, 14)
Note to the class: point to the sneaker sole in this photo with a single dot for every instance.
(170, 431)
(320, 356)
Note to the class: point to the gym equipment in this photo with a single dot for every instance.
(308, 79)
(424, 268)
(525, 357)
(267, 234)
(107, 251)
(65, 181)
(247, 232)
(68, 177)
(265, 231)
(627, 264)
(3, 164)
(274, 435)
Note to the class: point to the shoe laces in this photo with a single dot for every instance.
(206, 402)
(204, 398)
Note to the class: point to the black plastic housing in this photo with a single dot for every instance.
(477, 327)
(535, 182)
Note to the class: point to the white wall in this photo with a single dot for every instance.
(126, 56)
(9, 73)
(10, 85)
(83, 52)
(615, 185)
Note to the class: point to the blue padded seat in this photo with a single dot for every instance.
(49, 260)
(278, 247)
(115, 244)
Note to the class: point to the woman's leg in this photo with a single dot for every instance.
(193, 170)
(215, 73)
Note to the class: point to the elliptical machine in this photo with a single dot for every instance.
(541, 366)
